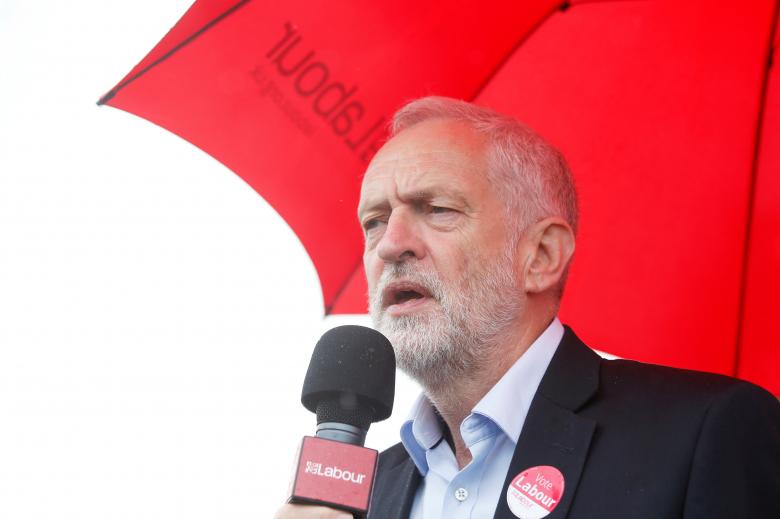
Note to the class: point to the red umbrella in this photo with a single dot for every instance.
(657, 105)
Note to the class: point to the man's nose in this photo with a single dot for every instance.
(401, 240)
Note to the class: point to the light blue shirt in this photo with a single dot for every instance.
(490, 432)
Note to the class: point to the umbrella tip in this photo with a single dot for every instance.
(106, 98)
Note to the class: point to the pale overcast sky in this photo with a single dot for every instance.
(156, 315)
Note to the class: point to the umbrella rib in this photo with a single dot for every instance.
(107, 97)
(337, 295)
(752, 192)
(562, 7)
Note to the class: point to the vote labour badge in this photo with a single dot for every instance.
(535, 492)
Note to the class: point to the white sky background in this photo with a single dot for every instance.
(156, 315)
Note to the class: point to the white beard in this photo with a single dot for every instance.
(456, 338)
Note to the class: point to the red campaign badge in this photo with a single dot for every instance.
(535, 492)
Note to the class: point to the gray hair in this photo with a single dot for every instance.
(528, 173)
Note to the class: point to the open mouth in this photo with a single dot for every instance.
(404, 295)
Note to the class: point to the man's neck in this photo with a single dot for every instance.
(455, 401)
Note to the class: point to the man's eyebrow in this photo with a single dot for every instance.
(418, 196)
(371, 205)
(428, 195)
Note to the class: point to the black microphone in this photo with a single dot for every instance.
(350, 384)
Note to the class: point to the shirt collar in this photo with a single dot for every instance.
(506, 404)
(421, 431)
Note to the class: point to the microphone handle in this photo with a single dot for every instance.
(341, 432)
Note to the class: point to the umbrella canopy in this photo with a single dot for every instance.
(657, 105)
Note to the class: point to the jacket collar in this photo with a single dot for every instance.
(572, 378)
(553, 434)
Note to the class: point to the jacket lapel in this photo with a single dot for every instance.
(553, 434)
(394, 498)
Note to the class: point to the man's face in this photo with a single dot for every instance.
(438, 263)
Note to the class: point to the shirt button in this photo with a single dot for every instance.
(461, 494)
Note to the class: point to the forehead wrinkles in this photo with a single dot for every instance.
(427, 156)
(408, 175)
(430, 147)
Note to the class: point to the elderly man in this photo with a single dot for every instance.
(470, 221)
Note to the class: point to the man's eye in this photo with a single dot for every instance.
(435, 209)
(371, 224)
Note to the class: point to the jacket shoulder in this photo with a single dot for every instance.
(636, 378)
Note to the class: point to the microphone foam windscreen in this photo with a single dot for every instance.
(351, 377)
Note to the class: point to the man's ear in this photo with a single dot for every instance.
(547, 247)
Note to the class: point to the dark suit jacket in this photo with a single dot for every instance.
(633, 441)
